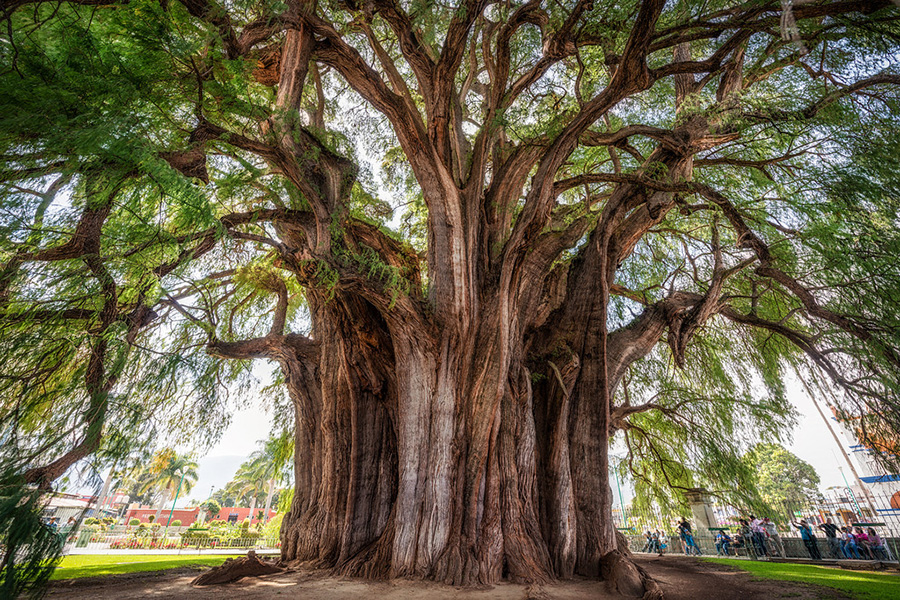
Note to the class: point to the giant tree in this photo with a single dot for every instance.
(618, 219)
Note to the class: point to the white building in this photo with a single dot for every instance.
(876, 485)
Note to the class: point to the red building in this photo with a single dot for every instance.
(238, 514)
(188, 516)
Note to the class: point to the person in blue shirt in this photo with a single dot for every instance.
(723, 544)
(687, 538)
(809, 538)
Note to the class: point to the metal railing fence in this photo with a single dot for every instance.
(878, 511)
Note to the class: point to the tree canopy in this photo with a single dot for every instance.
(480, 240)
(783, 477)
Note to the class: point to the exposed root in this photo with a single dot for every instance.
(652, 589)
(621, 575)
(536, 592)
(625, 577)
(234, 569)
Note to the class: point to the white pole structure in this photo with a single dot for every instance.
(837, 441)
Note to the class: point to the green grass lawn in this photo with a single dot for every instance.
(91, 565)
(861, 585)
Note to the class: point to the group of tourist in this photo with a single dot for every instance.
(655, 542)
(52, 523)
(761, 538)
(853, 542)
(844, 542)
(759, 535)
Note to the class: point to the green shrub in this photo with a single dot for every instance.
(195, 534)
(91, 521)
(134, 521)
(211, 507)
(176, 523)
(151, 518)
(273, 527)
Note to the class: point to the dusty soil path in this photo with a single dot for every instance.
(681, 579)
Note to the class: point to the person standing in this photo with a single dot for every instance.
(684, 530)
(834, 544)
(774, 537)
(758, 534)
(809, 538)
(68, 528)
(687, 538)
(653, 545)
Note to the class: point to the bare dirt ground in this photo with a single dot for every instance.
(681, 578)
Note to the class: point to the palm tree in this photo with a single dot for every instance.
(250, 480)
(263, 469)
(137, 482)
(279, 451)
(171, 472)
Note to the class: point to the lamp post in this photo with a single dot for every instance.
(203, 510)
(852, 495)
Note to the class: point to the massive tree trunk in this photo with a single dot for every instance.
(421, 455)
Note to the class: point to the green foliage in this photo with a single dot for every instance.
(707, 416)
(781, 476)
(134, 522)
(265, 468)
(272, 528)
(172, 473)
(284, 501)
(395, 280)
(175, 523)
(211, 507)
(30, 549)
